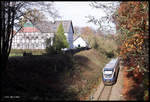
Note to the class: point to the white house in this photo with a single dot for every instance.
(34, 35)
(80, 42)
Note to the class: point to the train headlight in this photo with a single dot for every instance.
(111, 79)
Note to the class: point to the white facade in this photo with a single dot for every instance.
(34, 40)
(79, 42)
(37, 40)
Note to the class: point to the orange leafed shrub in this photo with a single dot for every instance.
(132, 22)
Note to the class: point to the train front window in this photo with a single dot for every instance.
(108, 73)
(108, 69)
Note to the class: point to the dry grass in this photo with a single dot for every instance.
(91, 64)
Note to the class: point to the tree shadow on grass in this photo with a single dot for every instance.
(83, 61)
(38, 78)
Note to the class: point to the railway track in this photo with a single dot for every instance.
(105, 93)
(106, 90)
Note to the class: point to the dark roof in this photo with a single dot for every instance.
(75, 37)
(51, 27)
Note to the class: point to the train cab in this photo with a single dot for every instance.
(110, 72)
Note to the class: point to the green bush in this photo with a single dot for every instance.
(50, 50)
(59, 42)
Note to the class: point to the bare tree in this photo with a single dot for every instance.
(99, 32)
(11, 13)
(77, 30)
(105, 22)
(33, 16)
(87, 30)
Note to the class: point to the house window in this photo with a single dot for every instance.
(37, 45)
(42, 37)
(36, 37)
(27, 37)
(26, 46)
(18, 45)
(32, 46)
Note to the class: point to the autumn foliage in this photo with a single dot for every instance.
(132, 21)
(87, 30)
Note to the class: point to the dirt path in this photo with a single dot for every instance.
(110, 92)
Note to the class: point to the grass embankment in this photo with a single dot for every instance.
(19, 52)
(89, 64)
(59, 77)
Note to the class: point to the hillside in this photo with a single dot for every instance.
(90, 64)
(59, 77)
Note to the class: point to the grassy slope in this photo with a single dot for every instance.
(91, 64)
(59, 77)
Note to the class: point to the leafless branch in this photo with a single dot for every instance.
(104, 22)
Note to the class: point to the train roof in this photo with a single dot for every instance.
(111, 64)
(113, 60)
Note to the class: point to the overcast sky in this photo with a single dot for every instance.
(76, 11)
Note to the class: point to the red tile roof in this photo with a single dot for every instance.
(28, 30)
